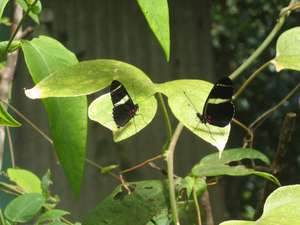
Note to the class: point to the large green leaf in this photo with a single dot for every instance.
(90, 76)
(157, 14)
(147, 200)
(288, 50)
(3, 3)
(186, 98)
(281, 208)
(67, 116)
(6, 119)
(212, 165)
(24, 207)
(27, 180)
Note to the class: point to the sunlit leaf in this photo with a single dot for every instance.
(67, 116)
(3, 3)
(147, 200)
(27, 180)
(157, 14)
(281, 207)
(212, 165)
(288, 50)
(186, 98)
(24, 207)
(35, 10)
(6, 119)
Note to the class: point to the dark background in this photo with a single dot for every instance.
(209, 40)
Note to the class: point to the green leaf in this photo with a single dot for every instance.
(27, 180)
(108, 169)
(186, 98)
(53, 214)
(67, 116)
(288, 50)
(281, 207)
(185, 187)
(156, 13)
(45, 183)
(211, 165)
(24, 207)
(90, 76)
(6, 119)
(3, 4)
(34, 16)
(147, 200)
(56, 223)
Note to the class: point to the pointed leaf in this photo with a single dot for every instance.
(3, 3)
(90, 76)
(6, 119)
(212, 165)
(288, 50)
(281, 207)
(156, 13)
(24, 207)
(27, 180)
(186, 98)
(67, 116)
(147, 200)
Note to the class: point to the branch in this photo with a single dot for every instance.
(207, 207)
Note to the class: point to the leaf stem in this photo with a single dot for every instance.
(198, 212)
(262, 47)
(170, 165)
(11, 148)
(251, 78)
(263, 116)
(20, 25)
(166, 116)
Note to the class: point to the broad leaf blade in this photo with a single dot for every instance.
(281, 207)
(24, 207)
(186, 98)
(288, 50)
(157, 15)
(6, 119)
(147, 200)
(27, 180)
(211, 165)
(67, 116)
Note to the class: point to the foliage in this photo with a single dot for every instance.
(57, 73)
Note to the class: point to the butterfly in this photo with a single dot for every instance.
(124, 108)
(218, 108)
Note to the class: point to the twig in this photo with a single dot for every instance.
(141, 164)
(284, 139)
(27, 31)
(249, 139)
(163, 171)
(166, 116)
(11, 148)
(251, 78)
(170, 164)
(266, 114)
(207, 208)
(198, 212)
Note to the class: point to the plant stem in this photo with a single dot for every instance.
(20, 25)
(263, 116)
(249, 139)
(198, 212)
(166, 116)
(251, 78)
(170, 164)
(262, 47)
(11, 148)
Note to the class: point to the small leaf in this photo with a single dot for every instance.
(33, 15)
(281, 207)
(67, 116)
(108, 169)
(186, 98)
(53, 214)
(23, 208)
(288, 50)
(211, 165)
(3, 3)
(45, 184)
(56, 223)
(157, 14)
(27, 180)
(6, 119)
(147, 200)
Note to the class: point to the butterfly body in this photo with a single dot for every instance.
(124, 108)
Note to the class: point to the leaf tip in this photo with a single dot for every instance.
(33, 93)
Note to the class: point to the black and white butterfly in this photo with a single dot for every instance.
(124, 109)
(218, 108)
